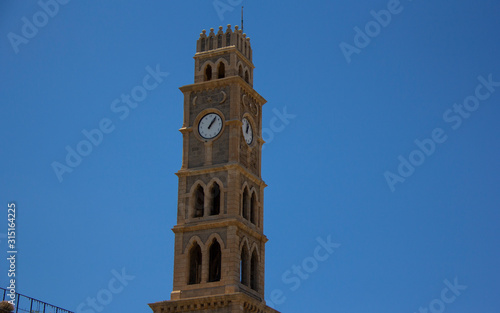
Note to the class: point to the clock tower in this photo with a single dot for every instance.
(219, 239)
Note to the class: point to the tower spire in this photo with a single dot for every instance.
(241, 18)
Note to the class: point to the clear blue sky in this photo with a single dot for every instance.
(332, 170)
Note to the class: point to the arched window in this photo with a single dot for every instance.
(199, 202)
(240, 71)
(215, 262)
(244, 266)
(195, 265)
(254, 272)
(244, 207)
(222, 70)
(247, 78)
(208, 73)
(215, 199)
(228, 39)
(253, 209)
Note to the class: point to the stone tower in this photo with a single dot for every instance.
(219, 239)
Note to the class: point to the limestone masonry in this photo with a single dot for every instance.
(219, 237)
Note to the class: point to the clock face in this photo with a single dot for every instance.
(247, 131)
(210, 126)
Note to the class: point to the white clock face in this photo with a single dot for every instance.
(247, 131)
(210, 126)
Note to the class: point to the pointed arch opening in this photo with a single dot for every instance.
(244, 266)
(253, 209)
(195, 265)
(240, 71)
(214, 271)
(247, 77)
(244, 205)
(215, 197)
(254, 272)
(199, 202)
(221, 71)
(208, 73)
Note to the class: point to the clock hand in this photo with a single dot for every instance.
(248, 126)
(212, 122)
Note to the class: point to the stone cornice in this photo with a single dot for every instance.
(218, 168)
(211, 224)
(221, 51)
(210, 303)
(222, 82)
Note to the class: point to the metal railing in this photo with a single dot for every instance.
(30, 305)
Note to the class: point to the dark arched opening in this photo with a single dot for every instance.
(244, 208)
(244, 266)
(254, 272)
(195, 264)
(253, 209)
(222, 70)
(215, 262)
(215, 199)
(208, 73)
(199, 202)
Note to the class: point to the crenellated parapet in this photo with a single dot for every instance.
(223, 54)
(222, 39)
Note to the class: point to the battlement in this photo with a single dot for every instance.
(222, 39)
